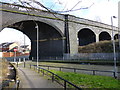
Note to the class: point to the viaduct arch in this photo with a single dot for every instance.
(50, 38)
(86, 36)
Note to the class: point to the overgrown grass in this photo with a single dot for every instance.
(99, 47)
(3, 68)
(89, 81)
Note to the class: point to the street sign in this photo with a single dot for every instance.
(15, 49)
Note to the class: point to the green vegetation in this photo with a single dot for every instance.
(3, 69)
(89, 81)
(99, 47)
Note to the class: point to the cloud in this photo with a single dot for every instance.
(13, 35)
(104, 10)
(101, 10)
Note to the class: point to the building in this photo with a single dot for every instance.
(8, 47)
(7, 50)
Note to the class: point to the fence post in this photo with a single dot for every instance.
(93, 72)
(38, 70)
(19, 59)
(64, 85)
(30, 66)
(52, 77)
(17, 63)
(74, 70)
(114, 75)
(60, 69)
(48, 67)
(24, 62)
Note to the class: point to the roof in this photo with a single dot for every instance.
(6, 44)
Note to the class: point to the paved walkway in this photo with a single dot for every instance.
(31, 79)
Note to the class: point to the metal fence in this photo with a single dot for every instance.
(17, 58)
(92, 56)
(83, 56)
(55, 77)
(86, 71)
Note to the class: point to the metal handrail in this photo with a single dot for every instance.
(55, 75)
(80, 69)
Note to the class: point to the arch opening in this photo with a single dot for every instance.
(14, 39)
(116, 36)
(104, 36)
(50, 39)
(86, 36)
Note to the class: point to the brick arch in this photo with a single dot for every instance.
(86, 36)
(17, 20)
(104, 36)
(116, 36)
(50, 39)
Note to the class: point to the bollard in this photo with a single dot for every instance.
(30, 66)
(24, 62)
(19, 59)
(17, 63)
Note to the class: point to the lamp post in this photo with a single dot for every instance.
(113, 42)
(24, 44)
(119, 37)
(37, 42)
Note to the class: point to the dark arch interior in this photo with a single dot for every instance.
(50, 40)
(86, 36)
(104, 36)
(116, 36)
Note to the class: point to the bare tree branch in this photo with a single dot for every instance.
(74, 9)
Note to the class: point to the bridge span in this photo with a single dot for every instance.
(58, 33)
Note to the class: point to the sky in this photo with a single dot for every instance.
(13, 35)
(98, 10)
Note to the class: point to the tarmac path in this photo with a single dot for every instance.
(31, 79)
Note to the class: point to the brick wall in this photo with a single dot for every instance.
(12, 54)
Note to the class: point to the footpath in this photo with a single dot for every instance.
(31, 79)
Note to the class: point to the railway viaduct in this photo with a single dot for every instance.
(58, 33)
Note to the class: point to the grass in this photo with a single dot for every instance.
(89, 81)
(99, 47)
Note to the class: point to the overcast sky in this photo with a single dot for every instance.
(99, 10)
